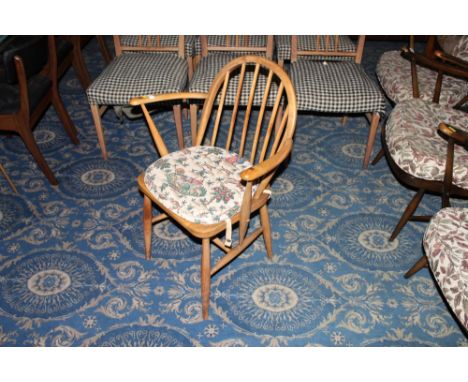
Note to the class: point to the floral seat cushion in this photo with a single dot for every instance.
(201, 184)
(446, 246)
(394, 74)
(417, 148)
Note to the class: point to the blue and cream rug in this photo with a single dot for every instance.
(73, 273)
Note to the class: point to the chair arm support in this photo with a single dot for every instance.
(459, 136)
(269, 165)
(153, 98)
(451, 59)
(422, 60)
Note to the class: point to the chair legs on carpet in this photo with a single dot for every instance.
(205, 276)
(8, 179)
(374, 124)
(409, 211)
(420, 264)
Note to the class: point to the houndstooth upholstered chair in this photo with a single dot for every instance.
(328, 78)
(419, 76)
(446, 246)
(426, 147)
(216, 51)
(225, 177)
(143, 65)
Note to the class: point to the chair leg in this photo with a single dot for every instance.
(378, 157)
(10, 182)
(104, 49)
(32, 146)
(420, 264)
(177, 109)
(205, 277)
(344, 120)
(147, 225)
(80, 67)
(99, 132)
(409, 211)
(371, 139)
(64, 116)
(265, 222)
(193, 122)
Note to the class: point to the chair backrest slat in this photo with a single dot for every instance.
(220, 109)
(236, 107)
(249, 109)
(237, 44)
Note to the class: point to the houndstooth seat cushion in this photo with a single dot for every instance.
(220, 40)
(201, 184)
(394, 74)
(335, 87)
(416, 147)
(309, 42)
(136, 74)
(446, 246)
(210, 66)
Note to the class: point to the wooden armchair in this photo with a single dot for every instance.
(224, 179)
(155, 65)
(27, 90)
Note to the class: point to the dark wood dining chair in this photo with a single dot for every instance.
(28, 87)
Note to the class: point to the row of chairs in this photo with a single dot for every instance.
(425, 142)
(325, 71)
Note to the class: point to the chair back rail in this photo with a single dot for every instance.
(328, 46)
(237, 43)
(156, 43)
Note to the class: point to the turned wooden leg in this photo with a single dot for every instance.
(100, 134)
(420, 264)
(177, 109)
(64, 116)
(10, 182)
(409, 211)
(32, 146)
(371, 139)
(147, 225)
(265, 222)
(193, 122)
(205, 277)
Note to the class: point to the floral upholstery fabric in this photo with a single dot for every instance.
(201, 184)
(417, 148)
(455, 45)
(394, 74)
(446, 246)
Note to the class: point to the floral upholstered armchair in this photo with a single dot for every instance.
(446, 246)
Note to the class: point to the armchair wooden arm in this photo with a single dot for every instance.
(451, 59)
(459, 136)
(436, 65)
(263, 168)
(153, 98)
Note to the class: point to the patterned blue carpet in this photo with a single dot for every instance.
(73, 273)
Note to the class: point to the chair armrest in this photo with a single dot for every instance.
(451, 59)
(459, 136)
(422, 60)
(152, 98)
(269, 165)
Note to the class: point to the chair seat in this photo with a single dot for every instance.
(446, 246)
(38, 86)
(335, 87)
(136, 74)
(209, 67)
(204, 183)
(309, 43)
(394, 74)
(417, 148)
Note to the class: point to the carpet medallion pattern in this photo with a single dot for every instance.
(72, 266)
